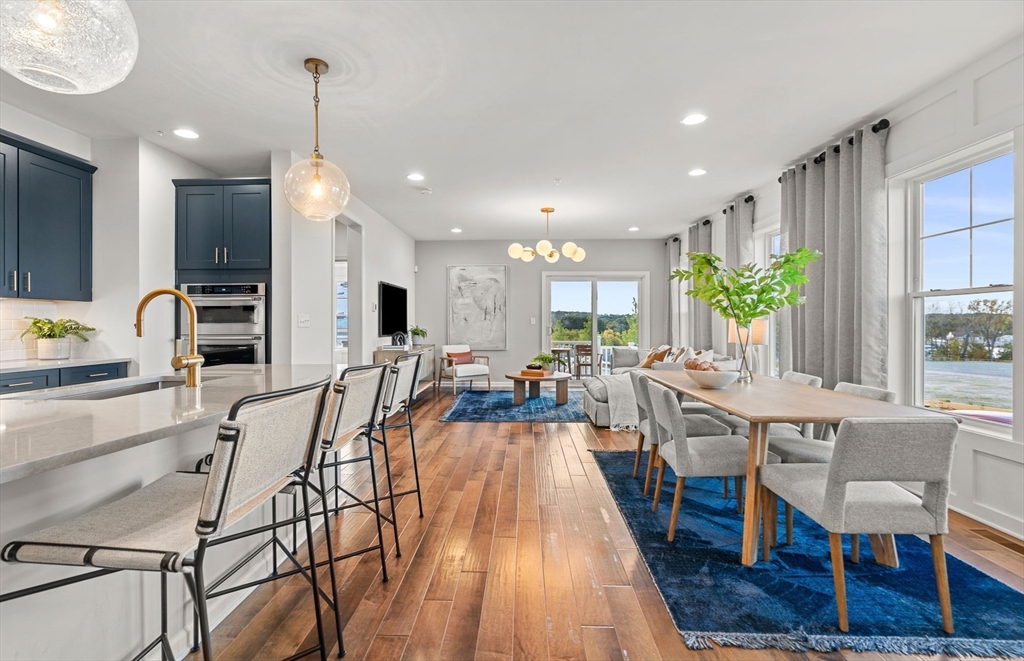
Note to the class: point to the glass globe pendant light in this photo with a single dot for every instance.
(68, 46)
(545, 248)
(314, 186)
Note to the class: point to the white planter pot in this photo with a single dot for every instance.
(54, 349)
(417, 341)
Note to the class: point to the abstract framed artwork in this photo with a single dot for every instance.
(478, 306)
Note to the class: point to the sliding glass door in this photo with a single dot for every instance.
(589, 314)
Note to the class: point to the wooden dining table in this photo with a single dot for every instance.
(766, 400)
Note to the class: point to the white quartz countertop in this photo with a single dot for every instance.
(39, 365)
(40, 432)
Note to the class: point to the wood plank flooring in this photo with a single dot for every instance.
(521, 554)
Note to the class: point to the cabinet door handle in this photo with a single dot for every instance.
(225, 254)
(28, 281)
(98, 374)
(216, 255)
(14, 280)
(16, 385)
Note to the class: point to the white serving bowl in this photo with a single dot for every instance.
(713, 380)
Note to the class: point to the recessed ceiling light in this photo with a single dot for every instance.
(698, 172)
(634, 229)
(415, 176)
(456, 230)
(186, 133)
(695, 118)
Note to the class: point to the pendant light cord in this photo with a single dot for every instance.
(316, 109)
(547, 225)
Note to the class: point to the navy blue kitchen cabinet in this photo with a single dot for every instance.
(47, 222)
(223, 224)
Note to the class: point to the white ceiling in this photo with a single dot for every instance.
(494, 100)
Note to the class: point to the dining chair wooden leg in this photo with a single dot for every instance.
(639, 451)
(657, 486)
(488, 381)
(766, 523)
(739, 496)
(835, 541)
(855, 548)
(942, 581)
(651, 459)
(677, 500)
(789, 524)
(725, 488)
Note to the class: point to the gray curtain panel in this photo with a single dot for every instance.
(675, 303)
(838, 206)
(700, 314)
(739, 233)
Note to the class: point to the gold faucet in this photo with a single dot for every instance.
(193, 361)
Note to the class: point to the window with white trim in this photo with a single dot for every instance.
(963, 290)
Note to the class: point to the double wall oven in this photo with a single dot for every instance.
(231, 323)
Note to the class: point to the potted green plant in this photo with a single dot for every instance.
(417, 334)
(53, 337)
(545, 359)
(748, 292)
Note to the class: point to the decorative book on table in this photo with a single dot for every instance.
(528, 372)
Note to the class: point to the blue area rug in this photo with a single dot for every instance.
(788, 603)
(496, 406)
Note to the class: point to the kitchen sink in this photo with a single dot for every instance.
(161, 383)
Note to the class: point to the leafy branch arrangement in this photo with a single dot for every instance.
(748, 292)
(544, 358)
(48, 329)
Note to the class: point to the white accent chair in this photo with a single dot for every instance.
(480, 368)
(856, 492)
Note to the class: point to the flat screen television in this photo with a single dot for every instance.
(392, 309)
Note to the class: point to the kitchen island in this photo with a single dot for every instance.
(65, 451)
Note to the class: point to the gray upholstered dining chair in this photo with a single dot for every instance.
(724, 455)
(857, 493)
(649, 438)
(809, 450)
(267, 443)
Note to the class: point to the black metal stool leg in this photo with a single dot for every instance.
(199, 595)
(165, 643)
(415, 465)
(391, 486)
(311, 550)
(330, 560)
(376, 507)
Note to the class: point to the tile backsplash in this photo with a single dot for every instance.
(12, 323)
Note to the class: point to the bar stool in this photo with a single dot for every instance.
(361, 394)
(267, 443)
(398, 397)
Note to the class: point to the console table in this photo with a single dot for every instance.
(425, 379)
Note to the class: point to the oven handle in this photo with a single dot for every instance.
(251, 300)
(233, 339)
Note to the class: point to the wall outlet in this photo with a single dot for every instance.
(303, 321)
(533, 321)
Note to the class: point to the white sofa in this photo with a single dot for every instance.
(626, 359)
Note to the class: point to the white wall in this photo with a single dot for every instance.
(524, 288)
(384, 253)
(29, 126)
(157, 167)
(303, 275)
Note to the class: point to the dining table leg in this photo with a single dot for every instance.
(756, 455)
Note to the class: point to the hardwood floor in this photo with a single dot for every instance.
(521, 553)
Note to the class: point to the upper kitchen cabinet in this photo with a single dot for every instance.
(46, 238)
(223, 224)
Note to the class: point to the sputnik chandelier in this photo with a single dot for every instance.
(544, 247)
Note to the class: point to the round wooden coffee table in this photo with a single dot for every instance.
(519, 381)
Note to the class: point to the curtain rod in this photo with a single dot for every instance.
(881, 125)
(748, 199)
